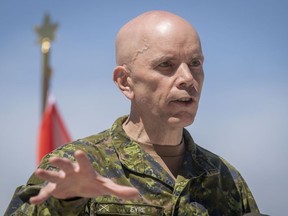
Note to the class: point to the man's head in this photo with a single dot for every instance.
(159, 68)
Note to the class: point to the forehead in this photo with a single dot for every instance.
(172, 46)
(168, 36)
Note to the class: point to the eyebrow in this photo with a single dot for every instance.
(162, 58)
(168, 57)
(197, 56)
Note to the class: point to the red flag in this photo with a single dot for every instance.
(52, 132)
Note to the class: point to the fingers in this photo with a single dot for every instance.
(43, 195)
(62, 163)
(69, 166)
(111, 187)
(82, 160)
(84, 164)
(66, 167)
(80, 179)
(48, 175)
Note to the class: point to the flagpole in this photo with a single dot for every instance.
(46, 34)
(52, 131)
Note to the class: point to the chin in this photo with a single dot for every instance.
(181, 121)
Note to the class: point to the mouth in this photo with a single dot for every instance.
(184, 101)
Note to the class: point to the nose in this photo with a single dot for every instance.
(185, 77)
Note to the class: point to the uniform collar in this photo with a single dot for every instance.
(135, 159)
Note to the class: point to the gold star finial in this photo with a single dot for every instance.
(46, 33)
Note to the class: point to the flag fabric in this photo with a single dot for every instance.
(52, 131)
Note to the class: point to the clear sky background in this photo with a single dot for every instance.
(243, 113)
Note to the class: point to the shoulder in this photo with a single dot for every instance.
(87, 144)
(227, 169)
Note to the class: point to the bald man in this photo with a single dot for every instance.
(147, 162)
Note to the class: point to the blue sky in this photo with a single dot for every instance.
(243, 113)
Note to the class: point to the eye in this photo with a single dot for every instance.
(165, 64)
(195, 63)
(165, 67)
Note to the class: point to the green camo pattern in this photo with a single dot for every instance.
(206, 184)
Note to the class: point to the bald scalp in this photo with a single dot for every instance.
(133, 38)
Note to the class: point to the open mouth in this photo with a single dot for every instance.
(184, 101)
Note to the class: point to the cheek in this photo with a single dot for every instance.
(144, 86)
(149, 96)
(199, 78)
(150, 90)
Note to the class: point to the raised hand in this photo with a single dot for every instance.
(77, 179)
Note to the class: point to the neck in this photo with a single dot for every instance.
(152, 133)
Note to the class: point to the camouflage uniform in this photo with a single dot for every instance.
(206, 185)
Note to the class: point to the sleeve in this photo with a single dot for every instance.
(248, 201)
(20, 205)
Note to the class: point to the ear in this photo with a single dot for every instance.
(121, 77)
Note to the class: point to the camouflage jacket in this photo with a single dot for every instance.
(206, 184)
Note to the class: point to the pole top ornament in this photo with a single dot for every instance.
(46, 33)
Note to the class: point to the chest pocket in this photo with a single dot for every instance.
(126, 209)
